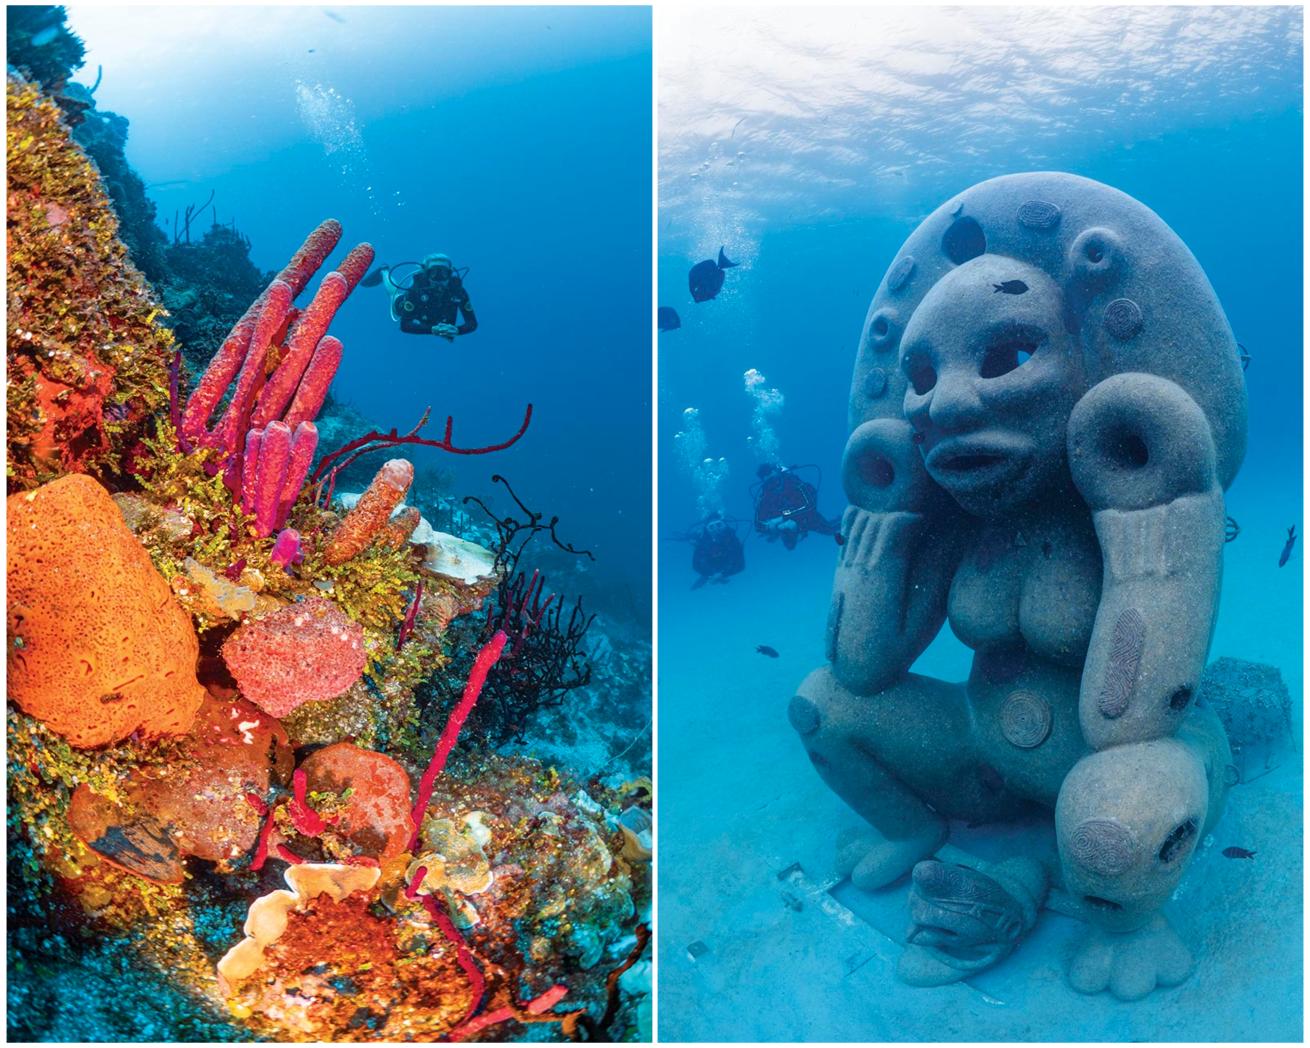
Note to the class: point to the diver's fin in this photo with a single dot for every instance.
(724, 261)
(374, 278)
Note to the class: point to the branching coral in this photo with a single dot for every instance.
(545, 659)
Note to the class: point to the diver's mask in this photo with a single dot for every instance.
(438, 269)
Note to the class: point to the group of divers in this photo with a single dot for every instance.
(786, 510)
(786, 504)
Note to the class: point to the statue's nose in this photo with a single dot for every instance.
(956, 405)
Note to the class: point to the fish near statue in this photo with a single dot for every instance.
(705, 279)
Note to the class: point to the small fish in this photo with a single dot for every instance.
(1231, 529)
(1011, 287)
(705, 279)
(1243, 355)
(668, 319)
(841, 539)
(1238, 853)
(1287, 549)
(764, 649)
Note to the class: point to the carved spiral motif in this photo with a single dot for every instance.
(900, 273)
(1123, 319)
(1025, 720)
(1104, 847)
(1039, 214)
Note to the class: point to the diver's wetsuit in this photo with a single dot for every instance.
(784, 499)
(425, 304)
(717, 552)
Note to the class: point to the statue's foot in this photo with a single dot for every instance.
(1130, 964)
(964, 920)
(873, 862)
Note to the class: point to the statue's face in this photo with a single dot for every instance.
(993, 376)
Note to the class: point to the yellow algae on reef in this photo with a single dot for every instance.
(87, 362)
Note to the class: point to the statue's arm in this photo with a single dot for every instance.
(900, 551)
(1143, 458)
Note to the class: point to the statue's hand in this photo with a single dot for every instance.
(882, 470)
(889, 591)
(1137, 441)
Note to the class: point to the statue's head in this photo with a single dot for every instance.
(991, 377)
(1011, 301)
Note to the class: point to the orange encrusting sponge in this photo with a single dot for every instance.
(98, 647)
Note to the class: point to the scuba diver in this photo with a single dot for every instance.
(716, 550)
(787, 507)
(427, 303)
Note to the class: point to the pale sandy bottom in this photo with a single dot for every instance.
(746, 832)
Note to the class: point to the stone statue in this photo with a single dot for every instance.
(1048, 404)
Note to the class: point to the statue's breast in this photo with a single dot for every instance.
(1036, 582)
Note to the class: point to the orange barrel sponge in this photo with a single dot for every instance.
(376, 817)
(365, 522)
(304, 652)
(98, 647)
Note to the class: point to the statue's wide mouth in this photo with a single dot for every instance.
(965, 463)
(975, 460)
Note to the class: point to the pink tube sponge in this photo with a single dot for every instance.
(305, 652)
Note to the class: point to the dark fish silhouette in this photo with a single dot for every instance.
(374, 278)
(1231, 529)
(1238, 853)
(1243, 355)
(706, 278)
(1011, 287)
(764, 649)
(668, 319)
(1287, 549)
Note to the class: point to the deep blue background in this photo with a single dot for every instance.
(518, 141)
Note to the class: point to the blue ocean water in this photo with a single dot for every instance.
(515, 140)
(811, 144)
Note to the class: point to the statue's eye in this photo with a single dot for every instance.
(922, 375)
(1003, 357)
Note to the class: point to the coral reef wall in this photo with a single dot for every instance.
(87, 364)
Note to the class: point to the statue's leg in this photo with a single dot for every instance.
(1128, 820)
(885, 755)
